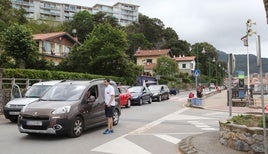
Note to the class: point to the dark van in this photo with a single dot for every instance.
(69, 108)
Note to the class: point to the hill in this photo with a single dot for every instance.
(241, 62)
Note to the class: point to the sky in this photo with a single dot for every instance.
(221, 23)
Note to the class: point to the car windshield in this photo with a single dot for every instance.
(153, 88)
(36, 91)
(64, 92)
(135, 89)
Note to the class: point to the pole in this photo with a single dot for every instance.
(262, 97)
(230, 67)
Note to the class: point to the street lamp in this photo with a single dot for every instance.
(250, 32)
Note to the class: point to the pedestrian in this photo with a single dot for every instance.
(109, 105)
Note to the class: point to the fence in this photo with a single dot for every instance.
(6, 86)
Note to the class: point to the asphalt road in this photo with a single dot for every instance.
(148, 129)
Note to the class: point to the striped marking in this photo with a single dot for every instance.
(169, 138)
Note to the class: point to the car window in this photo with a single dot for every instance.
(123, 90)
(36, 91)
(64, 92)
(93, 91)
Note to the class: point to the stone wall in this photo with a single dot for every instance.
(241, 137)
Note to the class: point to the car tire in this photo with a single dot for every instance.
(116, 117)
(159, 98)
(150, 100)
(140, 103)
(168, 96)
(128, 103)
(77, 127)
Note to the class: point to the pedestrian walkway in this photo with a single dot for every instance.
(218, 102)
(207, 143)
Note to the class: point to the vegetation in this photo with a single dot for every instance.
(249, 120)
(100, 35)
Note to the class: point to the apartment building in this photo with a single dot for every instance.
(124, 13)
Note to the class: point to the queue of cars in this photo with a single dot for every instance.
(70, 106)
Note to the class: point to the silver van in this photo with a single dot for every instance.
(13, 107)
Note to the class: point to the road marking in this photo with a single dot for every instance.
(169, 138)
(201, 125)
(120, 145)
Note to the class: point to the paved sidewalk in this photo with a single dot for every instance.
(218, 102)
(207, 143)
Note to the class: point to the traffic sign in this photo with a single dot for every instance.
(197, 72)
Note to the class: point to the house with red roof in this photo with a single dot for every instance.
(55, 46)
(186, 64)
(148, 59)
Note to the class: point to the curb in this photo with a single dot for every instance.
(185, 146)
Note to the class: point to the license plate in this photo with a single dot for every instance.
(34, 123)
(14, 113)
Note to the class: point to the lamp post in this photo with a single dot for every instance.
(259, 64)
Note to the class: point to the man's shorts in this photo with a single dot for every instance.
(109, 111)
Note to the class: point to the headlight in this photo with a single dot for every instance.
(7, 105)
(155, 94)
(64, 109)
(23, 108)
(134, 97)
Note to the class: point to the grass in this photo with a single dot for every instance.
(249, 120)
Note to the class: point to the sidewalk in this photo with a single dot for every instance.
(207, 143)
(218, 102)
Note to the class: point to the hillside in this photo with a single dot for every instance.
(241, 62)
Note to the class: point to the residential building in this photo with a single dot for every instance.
(55, 46)
(148, 59)
(186, 64)
(124, 13)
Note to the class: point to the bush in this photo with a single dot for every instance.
(249, 120)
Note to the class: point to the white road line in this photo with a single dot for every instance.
(169, 138)
(120, 145)
(209, 128)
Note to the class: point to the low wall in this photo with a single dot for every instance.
(241, 137)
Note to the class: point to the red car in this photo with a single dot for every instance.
(124, 96)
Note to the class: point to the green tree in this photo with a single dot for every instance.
(83, 24)
(17, 41)
(101, 18)
(137, 40)
(102, 53)
(9, 15)
(166, 67)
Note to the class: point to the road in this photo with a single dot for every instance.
(148, 129)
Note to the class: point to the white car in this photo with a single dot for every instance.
(13, 107)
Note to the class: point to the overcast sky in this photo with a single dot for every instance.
(221, 23)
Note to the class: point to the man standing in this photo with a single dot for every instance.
(109, 105)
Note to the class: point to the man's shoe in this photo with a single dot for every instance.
(107, 132)
(111, 130)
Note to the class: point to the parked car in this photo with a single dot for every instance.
(124, 96)
(140, 95)
(69, 107)
(173, 91)
(160, 92)
(13, 107)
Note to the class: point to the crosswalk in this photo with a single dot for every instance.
(194, 125)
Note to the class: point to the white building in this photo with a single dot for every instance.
(186, 64)
(124, 13)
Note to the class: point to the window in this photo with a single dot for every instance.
(149, 60)
(183, 65)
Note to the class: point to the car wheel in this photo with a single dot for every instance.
(150, 100)
(167, 96)
(116, 117)
(77, 127)
(160, 98)
(140, 101)
(128, 103)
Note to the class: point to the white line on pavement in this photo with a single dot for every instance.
(169, 138)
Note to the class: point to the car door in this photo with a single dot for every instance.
(146, 94)
(15, 92)
(94, 105)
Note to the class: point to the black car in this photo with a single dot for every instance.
(69, 107)
(160, 92)
(140, 95)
